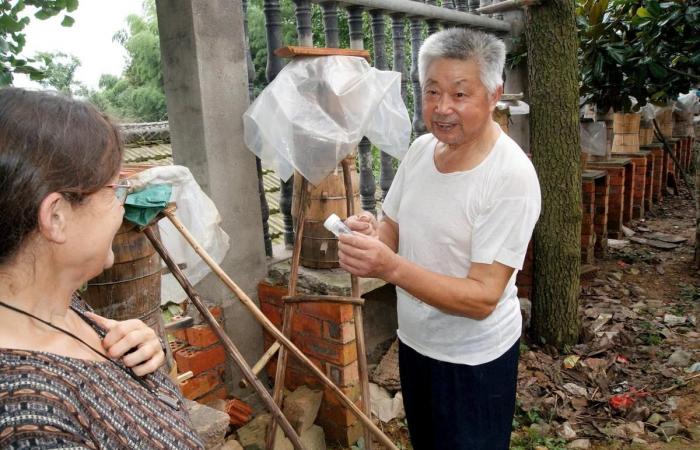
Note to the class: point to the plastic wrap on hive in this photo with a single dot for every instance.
(317, 110)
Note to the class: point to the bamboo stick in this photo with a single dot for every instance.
(324, 299)
(269, 326)
(223, 337)
(262, 362)
(357, 314)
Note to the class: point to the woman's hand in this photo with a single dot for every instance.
(124, 336)
(364, 223)
(366, 256)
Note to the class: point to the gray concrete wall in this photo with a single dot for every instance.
(206, 86)
(516, 80)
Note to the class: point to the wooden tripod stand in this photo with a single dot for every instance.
(293, 297)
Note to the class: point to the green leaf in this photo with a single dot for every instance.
(643, 12)
(657, 70)
(71, 5)
(68, 21)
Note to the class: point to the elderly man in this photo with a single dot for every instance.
(455, 229)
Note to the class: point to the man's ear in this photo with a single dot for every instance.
(53, 217)
(496, 96)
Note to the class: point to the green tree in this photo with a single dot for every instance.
(138, 94)
(13, 21)
(59, 72)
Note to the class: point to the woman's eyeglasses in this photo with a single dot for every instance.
(121, 190)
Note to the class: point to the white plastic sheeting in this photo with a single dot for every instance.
(317, 110)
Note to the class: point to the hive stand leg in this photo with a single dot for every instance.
(288, 316)
(357, 315)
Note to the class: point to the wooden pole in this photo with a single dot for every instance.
(226, 341)
(357, 312)
(277, 334)
(262, 362)
(288, 315)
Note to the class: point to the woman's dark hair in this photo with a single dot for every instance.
(49, 143)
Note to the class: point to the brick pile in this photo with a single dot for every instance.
(325, 333)
(197, 349)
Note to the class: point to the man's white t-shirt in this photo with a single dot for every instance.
(449, 220)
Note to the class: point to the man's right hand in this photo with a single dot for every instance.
(364, 223)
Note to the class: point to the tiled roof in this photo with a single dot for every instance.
(160, 153)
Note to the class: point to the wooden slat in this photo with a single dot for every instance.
(291, 51)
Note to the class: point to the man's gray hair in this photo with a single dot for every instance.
(465, 44)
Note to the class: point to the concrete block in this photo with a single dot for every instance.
(301, 408)
(211, 425)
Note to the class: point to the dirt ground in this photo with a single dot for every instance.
(628, 384)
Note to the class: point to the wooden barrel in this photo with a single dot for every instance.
(502, 117)
(665, 120)
(625, 132)
(683, 124)
(130, 289)
(319, 248)
(646, 133)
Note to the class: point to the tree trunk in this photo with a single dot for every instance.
(554, 141)
(696, 167)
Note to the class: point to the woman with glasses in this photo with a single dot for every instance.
(70, 378)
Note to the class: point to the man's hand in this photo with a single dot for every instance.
(364, 223)
(123, 337)
(366, 256)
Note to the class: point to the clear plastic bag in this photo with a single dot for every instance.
(199, 215)
(317, 110)
(593, 138)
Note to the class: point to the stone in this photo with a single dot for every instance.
(252, 435)
(526, 311)
(679, 358)
(655, 419)
(615, 275)
(694, 368)
(566, 431)
(384, 406)
(634, 428)
(626, 231)
(301, 408)
(671, 320)
(387, 372)
(639, 441)
(313, 438)
(670, 428)
(579, 444)
(541, 429)
(210, 424)
(231, 444)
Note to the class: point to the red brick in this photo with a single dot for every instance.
(343, 332)
(203, 383)
(239, 412)
(333, 352)
(272, 312)
(180, 335)
(200, 360)
(343, 375)
(201, 336)
(271, 294)
(306, 325)
(342, 416)
(219, 393)
(327, 311)
(177, 345)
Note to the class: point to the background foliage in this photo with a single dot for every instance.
(14, 18)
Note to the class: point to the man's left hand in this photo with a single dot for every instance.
(367, 257)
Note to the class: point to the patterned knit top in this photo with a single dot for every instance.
(53, 401)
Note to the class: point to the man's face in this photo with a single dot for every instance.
(456, 105)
